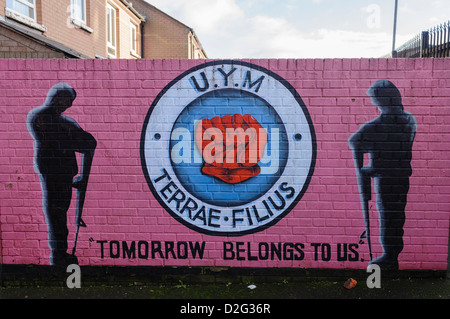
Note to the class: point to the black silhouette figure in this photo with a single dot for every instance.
(56, 140)
(388, 141)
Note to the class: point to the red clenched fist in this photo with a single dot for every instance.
(232, 146)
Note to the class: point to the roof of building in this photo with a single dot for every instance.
(129, 5)
(38, 37)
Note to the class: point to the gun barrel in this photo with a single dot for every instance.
(81, 194)
(365, 192)
(365, 209)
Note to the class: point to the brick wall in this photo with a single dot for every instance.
(13, 45)
(164, 37)
(124, 37)
(91, 41)
(136, 216)
(56, 18)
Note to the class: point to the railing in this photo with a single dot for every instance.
(434, 43)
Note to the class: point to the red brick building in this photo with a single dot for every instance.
(92, 29)
(166, 37)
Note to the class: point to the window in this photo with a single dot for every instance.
(78, 15)
(133, 38)
(25, 8)
(78, 10)
(111, 25)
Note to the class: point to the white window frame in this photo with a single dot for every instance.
(30, 5)
(77, 21)
(24, 19)
(73, 11)
(133, 39)
(111, 25)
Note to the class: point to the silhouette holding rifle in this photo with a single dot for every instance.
(388, 141)
(57, 139)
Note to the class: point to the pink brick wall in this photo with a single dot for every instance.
(113, 100)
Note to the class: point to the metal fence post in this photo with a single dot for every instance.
(423, 43)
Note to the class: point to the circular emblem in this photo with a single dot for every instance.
(228, 148)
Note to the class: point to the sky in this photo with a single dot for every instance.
(304, 28)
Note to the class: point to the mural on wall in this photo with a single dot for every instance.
(225, 164)
(56, 140)
(388, 141)
(233, 154)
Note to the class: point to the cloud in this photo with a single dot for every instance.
(268, 37)
(212, 16)
(205, 17)
(227, 30)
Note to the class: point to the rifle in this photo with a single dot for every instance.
(365, 194)
(80, 183)
(81, 194)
